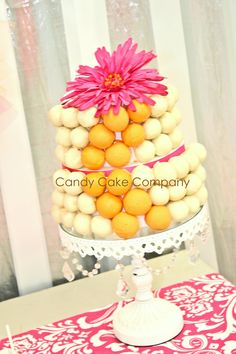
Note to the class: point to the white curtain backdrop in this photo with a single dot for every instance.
(8, 285)
(40, 51)
(130, 19)
(209, 28)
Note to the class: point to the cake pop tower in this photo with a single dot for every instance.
(124, 167)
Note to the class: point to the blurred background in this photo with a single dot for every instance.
(42, 44)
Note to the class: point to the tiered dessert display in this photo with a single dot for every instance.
(128, 184)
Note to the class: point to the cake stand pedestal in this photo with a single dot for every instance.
(146, 320)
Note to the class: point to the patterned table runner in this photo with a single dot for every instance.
(208, 304)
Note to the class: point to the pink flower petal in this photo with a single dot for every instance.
(116, 81)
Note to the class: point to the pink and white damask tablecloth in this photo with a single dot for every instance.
(208, 304)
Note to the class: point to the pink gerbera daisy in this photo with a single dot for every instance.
(119, 78)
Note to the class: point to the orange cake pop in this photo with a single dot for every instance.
(137, 202)
(158, 217)
(101, 137)
(92, 157)
(125, 225)
(119, 182)
(142, 113)
(116, 122)
(94, 184)
(108, 205)
(133, 135)
(118, 155)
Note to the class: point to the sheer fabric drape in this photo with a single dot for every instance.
(8, 285)
(128, 18)
(41, 55)
(211, 47)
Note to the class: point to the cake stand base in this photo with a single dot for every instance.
(147, 323)
(147, 320)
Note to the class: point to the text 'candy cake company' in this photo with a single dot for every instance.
(124, 164)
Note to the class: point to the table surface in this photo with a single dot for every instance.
(50, 305)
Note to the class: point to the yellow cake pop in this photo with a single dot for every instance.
(142, 113)
(137, 202)
(118, 155)
(94, 184)
(119, 182)
(158, 217)
(116, 122)
(133, 135)
(92, 158)
(108, 205)
(125, 225)
(101, 137)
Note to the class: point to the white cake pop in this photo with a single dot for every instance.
(54, 115)
(73, 183)
(199, 150)
(202, 195)
(87, 118)
(200, 172)
(145, 152)
(172, 97)
(73, 158)
(60, 153)
(86, 204)
(79, 137)
(192, 160)
(176, 137)
(152, 128)
(193, 183)
(58, 198)
(177, 115)
(159, 195)
(57, 213)
(163, 145)
(101, 227)
(143, 177)
(82, 224)
(63, 137)
(160, 106)
(179, 210)
(59, 178)
(70, 203)
(177, 193)
(164, 171)
(180, 165)
(168, 123)
(69, 117)
(193, 203)
(68, 219)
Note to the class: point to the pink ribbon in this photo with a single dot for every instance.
(107, 171)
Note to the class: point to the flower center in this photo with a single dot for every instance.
(113, 81)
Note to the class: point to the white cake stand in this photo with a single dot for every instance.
(147, 320)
